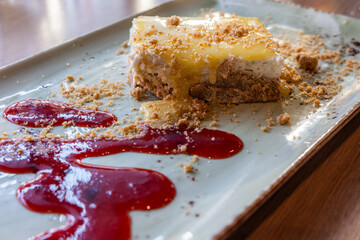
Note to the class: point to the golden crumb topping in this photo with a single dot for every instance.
(189, 45)
(201, 39)
(173, 21)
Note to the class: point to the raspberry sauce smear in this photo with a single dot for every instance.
(97, 200)
(42, 113)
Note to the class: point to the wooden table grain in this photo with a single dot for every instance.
(321, 201)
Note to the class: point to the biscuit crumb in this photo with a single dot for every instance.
(213, 124)
(270, 122)
(265, 129)
(283, 118)
(195, 159)
(70, 78)
(307, 61)
(138, 93)
(183, 148)
(290, 75)
(125, 44)
(153, 41)
(120, 51)
(340, 78)
(188, 168)
(317, 103)
(173, 21)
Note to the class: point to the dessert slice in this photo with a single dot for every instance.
(224, 58)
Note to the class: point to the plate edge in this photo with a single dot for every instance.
(299, 163)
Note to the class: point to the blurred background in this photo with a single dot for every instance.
(29, 27)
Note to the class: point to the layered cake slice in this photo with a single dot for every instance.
(224, 58)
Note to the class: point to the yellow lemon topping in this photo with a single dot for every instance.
(192, 46)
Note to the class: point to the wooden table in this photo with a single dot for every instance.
(320, 202)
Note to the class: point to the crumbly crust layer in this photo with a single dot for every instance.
(241, 88)
(245, 88)
(232, 85)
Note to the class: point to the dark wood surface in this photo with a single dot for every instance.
(321, 201)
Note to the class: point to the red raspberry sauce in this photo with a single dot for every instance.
(96, 199)
(42, 113)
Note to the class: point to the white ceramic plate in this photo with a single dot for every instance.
(225, 189)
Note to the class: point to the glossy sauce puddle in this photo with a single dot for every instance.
(97, 200)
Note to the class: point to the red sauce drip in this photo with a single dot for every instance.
(96, 199)
(42, 113)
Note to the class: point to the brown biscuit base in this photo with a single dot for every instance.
(151, 82)
(232, 85)
(257, 90)
(246, 89)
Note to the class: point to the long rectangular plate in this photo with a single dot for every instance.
(221, 193)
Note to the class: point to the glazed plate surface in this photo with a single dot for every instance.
(223, 189)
